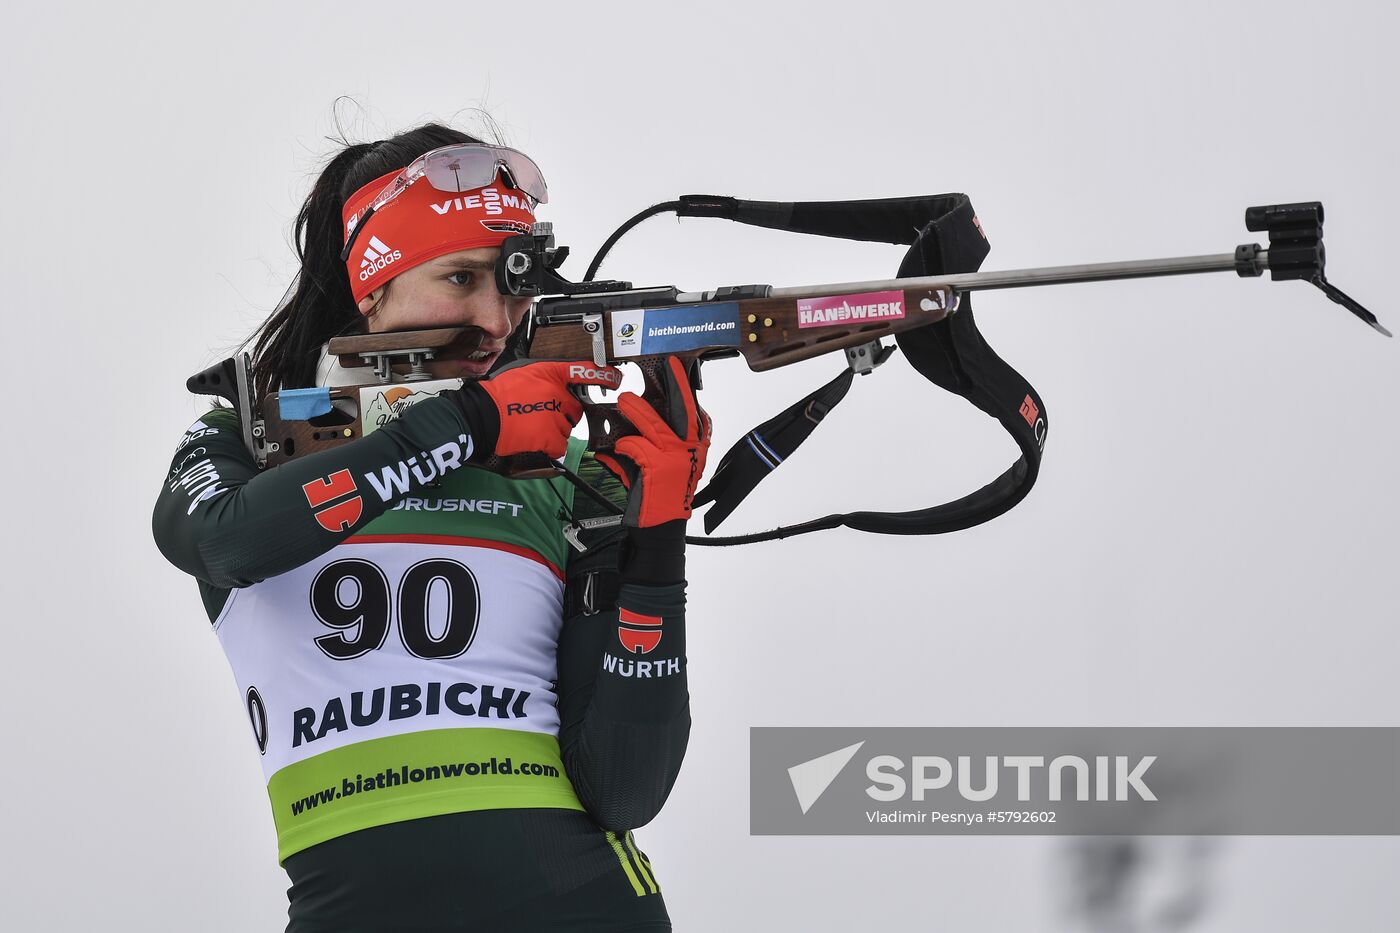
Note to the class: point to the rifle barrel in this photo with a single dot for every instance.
(1023, 278)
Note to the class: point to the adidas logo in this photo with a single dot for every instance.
(378, 255)
(376, 248)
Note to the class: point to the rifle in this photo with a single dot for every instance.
(608, 322)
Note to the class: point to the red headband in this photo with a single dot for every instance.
(423, 223)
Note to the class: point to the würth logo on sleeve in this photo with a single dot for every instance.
(638, 633)
(1030, 411)
(339, 513)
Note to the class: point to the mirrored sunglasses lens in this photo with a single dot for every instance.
(461, 169)
(526, 174)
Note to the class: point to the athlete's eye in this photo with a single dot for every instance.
(466, 278)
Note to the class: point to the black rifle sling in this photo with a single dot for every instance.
(943, 236)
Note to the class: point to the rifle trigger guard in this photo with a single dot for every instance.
(593, 326)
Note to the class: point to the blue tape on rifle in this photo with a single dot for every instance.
(303, 404)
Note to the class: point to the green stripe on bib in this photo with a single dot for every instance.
(415, 775)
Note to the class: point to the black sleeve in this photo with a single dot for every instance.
(624, 707)
(228, 524)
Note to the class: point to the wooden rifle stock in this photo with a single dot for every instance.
(769, 332)
(772, 331)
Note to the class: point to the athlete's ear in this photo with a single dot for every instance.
(370, 303)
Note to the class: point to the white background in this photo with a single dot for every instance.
(1212, 540)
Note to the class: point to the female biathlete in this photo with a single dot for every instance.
(460, 716)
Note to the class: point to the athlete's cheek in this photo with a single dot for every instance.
(493, 314)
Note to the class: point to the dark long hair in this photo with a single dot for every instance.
(319, 305)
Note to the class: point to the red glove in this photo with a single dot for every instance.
(667, 457)
(530, 405)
